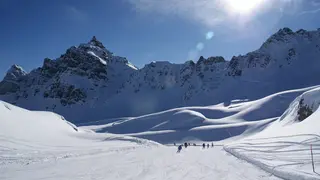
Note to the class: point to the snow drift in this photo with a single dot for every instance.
(211, 123)
(41, 127)
(284, 147)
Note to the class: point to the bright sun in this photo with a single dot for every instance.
(243, 6)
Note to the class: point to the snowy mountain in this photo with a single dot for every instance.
(89, 83)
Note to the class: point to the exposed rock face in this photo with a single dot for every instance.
(95, 42)
(89, 83)
(304, 110)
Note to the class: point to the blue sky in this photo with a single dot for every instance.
(145, 30)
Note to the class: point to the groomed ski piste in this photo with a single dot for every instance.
(261, 139)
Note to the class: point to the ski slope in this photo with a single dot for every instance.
(42, 145)
(266, 132)
(141, 163)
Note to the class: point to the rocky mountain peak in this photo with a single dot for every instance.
(301, 31)
(15, 72)
(285, 31)
(216, 59)
(95, 42)
(210, 60)
(283, 35)
(89, 75)
(10, 83)
(201, 59)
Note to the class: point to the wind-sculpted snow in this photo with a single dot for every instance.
(211, 123)
(89, 83)
(284, 147)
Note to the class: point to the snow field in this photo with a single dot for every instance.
(41, 145)
(284, 148)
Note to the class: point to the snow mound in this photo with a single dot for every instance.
(212, 123)
(175, 119)
(44, 127)
(188, 116)
(183, 119)
(47, 128)
(284, 147)
(19, 123)
(302, 107)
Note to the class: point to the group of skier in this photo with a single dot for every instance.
(204, 145)
(189, 144)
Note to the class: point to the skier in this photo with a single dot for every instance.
(208, 145)
(211, 144)
(179, 148)
(185, 145)
(174, 144)
(203, 145)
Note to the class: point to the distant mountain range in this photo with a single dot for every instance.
(89, 83)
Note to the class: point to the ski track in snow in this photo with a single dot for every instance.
(140, 162)
(288, 157)
(43, 145)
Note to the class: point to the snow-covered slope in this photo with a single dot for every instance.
(89, 83)
(42, 145)
(211, 123)
(284, 148)
(20, 126)
(38, 145)
(24, 125)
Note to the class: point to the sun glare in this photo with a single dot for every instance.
(243, 6)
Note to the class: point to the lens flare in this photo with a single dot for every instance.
(200, 46)
(209, 35)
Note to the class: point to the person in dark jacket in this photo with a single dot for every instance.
(203, 145)
(185, 145)
(179, 148)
